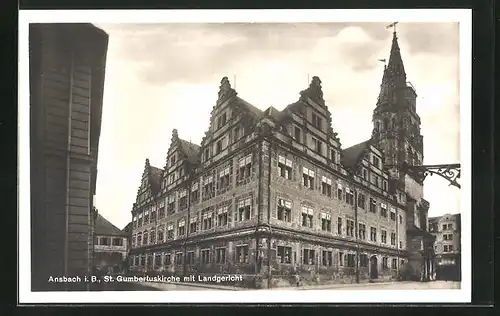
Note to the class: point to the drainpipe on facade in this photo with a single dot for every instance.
(257, 237)
(269, 252)
(356, 230)
(188, 195)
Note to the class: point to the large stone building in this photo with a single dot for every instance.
(447, 229)
(111, 244)
(272, 193)
(67, 63)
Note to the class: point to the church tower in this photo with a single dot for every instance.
(396, 124)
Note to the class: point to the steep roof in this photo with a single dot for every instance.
(155, 175)
(190, 150)
(249, 107)
(353, 154)
(105, 227)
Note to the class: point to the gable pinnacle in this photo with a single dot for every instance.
(225, 90)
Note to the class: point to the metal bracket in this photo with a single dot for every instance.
(450, 172)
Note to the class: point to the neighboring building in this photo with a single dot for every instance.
(110, 244)
(67, 63)
(128, 230)
(447, 229)
(272, 192)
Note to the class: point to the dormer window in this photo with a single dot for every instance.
(316, 121)
(333, 155)
(206, 154)
(173, 159)
(297, 134)
(221, 121)
(376, 161)
(317, 145)
(218, 146)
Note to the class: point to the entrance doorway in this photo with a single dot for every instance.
(373, 267)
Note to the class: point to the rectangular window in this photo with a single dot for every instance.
(307, 216)
(152, 237)
(339, 226)
(373, 234)
(393, 215)
(284, 210)
(222, 216)
(182, 199)
(117, 242)
(171, 204)
(400, 219)
(373, 205)
(181, 228)
(376, 161)
(362, 231)
(236, 134)
(445, 248)
(245, 168)
(190, 257)
(220, 255)
(242, 254)
(208, 188)
(284, 254)
(341, 259)
(244, 209)
(208, 221)
(361, 201)
(297, 134)
(349, 196)
(179, 258)
(326, 186)
(394, 264)
(340, 192)
(316, 120)
(383, 236)
(326, 222)
(351, 260)
(383, 210)
(308, 178)
(363, 261)
(206, 154)
(193, 225)
(317, 145)
(218, 146)
(350, 228)
(205, 256)
(308, 257)
(167, 259)
(224, 180)
(365, 174)
(145, 238)
(285, 167)
(195, 193)
(327, 257)
(385, 263)
(333, 155)
(384, 185)
(450, 248)
(393, 239)
(170, 231)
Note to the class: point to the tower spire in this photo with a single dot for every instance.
(395, 67)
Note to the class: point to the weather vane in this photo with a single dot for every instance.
(393, 25)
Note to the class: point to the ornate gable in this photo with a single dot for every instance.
(150, 182)
(231, 107)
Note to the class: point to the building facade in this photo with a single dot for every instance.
(272, 193)
(110, 245)
(447, 230)
(67, 63)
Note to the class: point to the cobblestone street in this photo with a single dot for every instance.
(434, 285)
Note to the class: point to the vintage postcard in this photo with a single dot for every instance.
(247, 155)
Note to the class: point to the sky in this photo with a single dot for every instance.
(165, 76)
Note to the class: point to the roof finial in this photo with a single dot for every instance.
(393, 25)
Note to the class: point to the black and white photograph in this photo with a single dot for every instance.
(283, 153)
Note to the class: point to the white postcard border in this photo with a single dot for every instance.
(463, 16)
